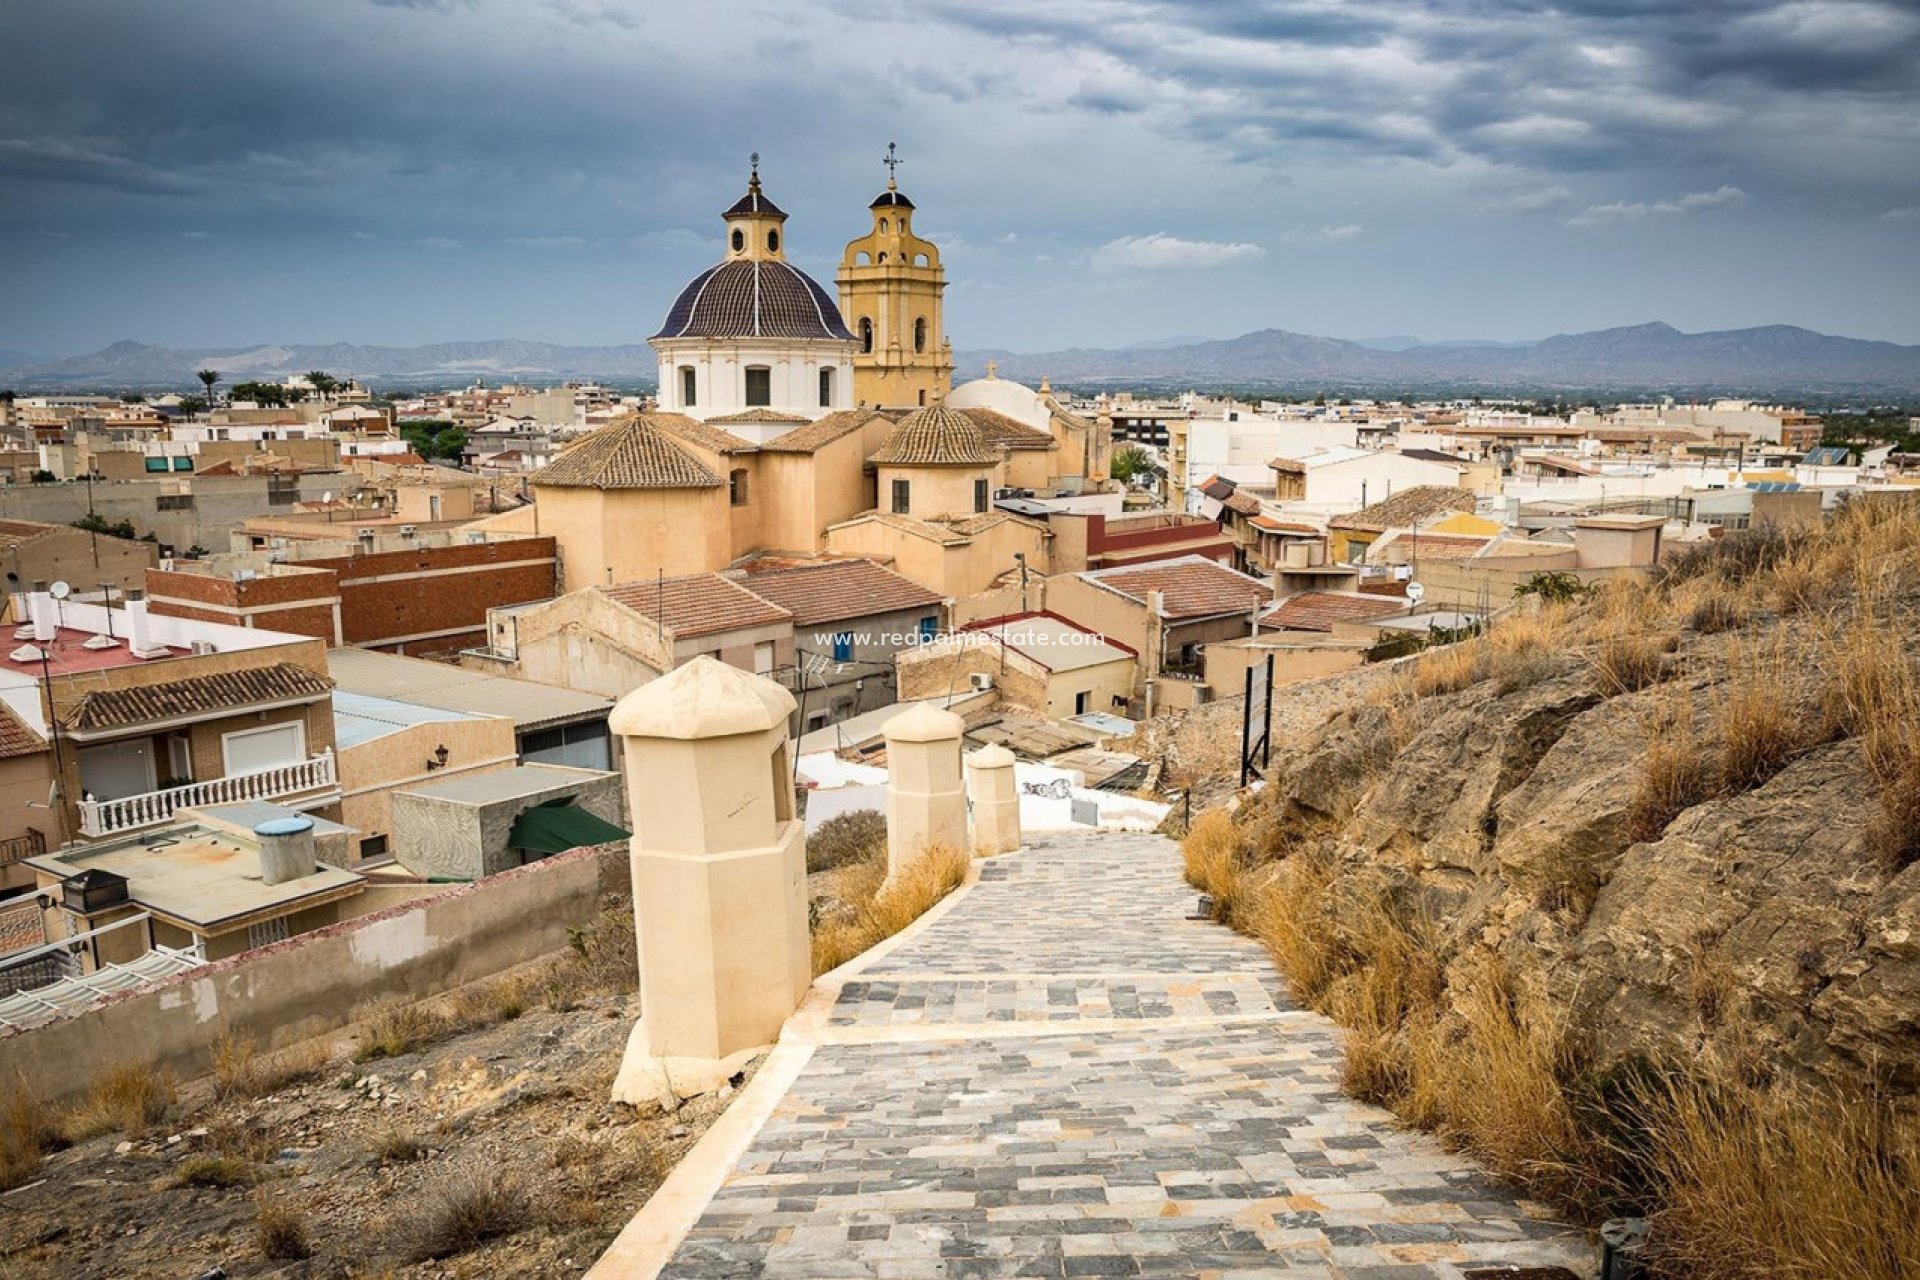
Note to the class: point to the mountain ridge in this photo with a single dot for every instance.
(1642, 357)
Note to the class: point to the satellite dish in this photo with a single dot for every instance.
(1415, 593)
(59, 591)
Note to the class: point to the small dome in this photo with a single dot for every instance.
(754, 298)
(704, 698)
(937, 436)
(923, 722)
(891, 198)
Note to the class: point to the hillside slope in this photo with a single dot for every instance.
(1629, 864)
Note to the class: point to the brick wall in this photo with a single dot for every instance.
(437, 599)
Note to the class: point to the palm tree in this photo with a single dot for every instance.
(324, 383)
(209, 377)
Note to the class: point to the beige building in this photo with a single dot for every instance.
(1039, 661)
(26, 773)
(386, 746)
(32, 551)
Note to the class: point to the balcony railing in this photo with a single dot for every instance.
(150, 808)
(30, 845)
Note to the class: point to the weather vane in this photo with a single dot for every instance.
(893, 162)
(754, 160)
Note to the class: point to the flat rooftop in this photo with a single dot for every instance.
(202, 878)
(363, 717)
(449, 688)
(505, 784)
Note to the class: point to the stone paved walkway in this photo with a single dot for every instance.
(1064, 1076)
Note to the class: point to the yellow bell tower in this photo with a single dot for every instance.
(891, 283)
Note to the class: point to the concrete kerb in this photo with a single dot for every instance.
(648, 1241)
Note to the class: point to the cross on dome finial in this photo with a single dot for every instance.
(893, 163)
(753, 178)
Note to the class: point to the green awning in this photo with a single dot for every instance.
(560, 825)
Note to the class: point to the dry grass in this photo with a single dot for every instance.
(1211, 851)
(241, 1070)
(281, 1232)
(1627, 661)
(482, 1004)
(1449, 669)
(397, 1146)
(888, 907)
(847, 838)
(397, 1026)
(28, 1129)
(122, 1099)
(1792, 1182)
(602, 959)
(1761, 730)
(214, 1171)
(460, 1210)
(1674, 773)
(1875, 695)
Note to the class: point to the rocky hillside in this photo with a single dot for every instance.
(1670, 833)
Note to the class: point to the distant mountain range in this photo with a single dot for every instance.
(1639, 358)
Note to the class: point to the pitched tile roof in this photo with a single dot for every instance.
(928, 529)
(699, 604)
(235, 690)
(760, 414)
(972, 523)
(1283, 526)
(632, 453)
(835, 590)
(1244, 503)
(937, 436)
(1408, 508)
(706, 435)
(1217, 489)
(998, 428)
(1319, 610)
(819, 432)
(1191, 586)
(17, 531)
(17, 738)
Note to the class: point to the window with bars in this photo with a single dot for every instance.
(902, 494)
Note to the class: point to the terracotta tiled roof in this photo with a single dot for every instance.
(1282, 526)
(835, 590)
(972, 523)
(1434, 546)
(705, 434)
(632, 453)
(759, 298)
(699, 604)
(1216, 488)
(998, 428)
(1244, 503)
(16, 738)
(821, 431)
(1192, 586)
(937, 436)
(1319, 610)
(1407, 508)
(16, 531)
(928, 529)
(761, 414)
(226, 690)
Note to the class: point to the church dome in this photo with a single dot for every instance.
(891, 198)
(936, 436)
(754, 298)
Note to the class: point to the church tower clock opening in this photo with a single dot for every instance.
(891, 287)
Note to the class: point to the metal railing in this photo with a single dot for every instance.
(150, 808)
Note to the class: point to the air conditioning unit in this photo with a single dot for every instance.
(980, 681)
(408, 530)
(201, 648)
(363, 533)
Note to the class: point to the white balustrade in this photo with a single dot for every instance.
(149, 808)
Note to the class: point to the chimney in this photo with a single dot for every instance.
(286, 848)
(40, 612)
(139, 633)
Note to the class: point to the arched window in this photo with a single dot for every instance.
(883, 226)
(759, 386)
(773, 242)
(863, 259)
(739, 239)
(920, 335)
(688, 383)
(866, 334)
(826, 388)
(921, 260)
(737, 487)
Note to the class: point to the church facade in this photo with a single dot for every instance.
(892, 289)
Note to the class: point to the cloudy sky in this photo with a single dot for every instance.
(1098, 172)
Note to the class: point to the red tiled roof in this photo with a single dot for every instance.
(1409, 507)
(699, 604)
(1191, 587)
(835, 590)
(1282, 526)
(16, 738)
(1319, 610)
(936, 436)
(226, 690)
(998, 428)
(633, 453)
(821, 431)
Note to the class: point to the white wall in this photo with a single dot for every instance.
(721, 379)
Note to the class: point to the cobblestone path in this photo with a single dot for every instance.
(1064, 1076)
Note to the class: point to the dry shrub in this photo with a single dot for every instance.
(459, 1210)
(1875, 696)
(1715, 611)
(1211, 852)
(281, 1232)
(396, 1026)
(890, 907)
(1674, 774)
(122, 1099)
(1396, 985)
(847, 838)
(482, 1004)
(1449, 669)
(1627, 661)
(240, 1070)
(218, 1172)
(1761, 730)
(602, 959)
(1795, 1181)
(395, 1145)
(1285, 908)
(28, 1130)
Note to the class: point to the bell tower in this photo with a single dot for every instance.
(891, 287)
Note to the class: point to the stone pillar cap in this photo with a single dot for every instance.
(991, 756)
(705, 698)
(923, 722)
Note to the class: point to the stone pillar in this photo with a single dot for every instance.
(926, 804)
(719, 876)
(995, 800)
